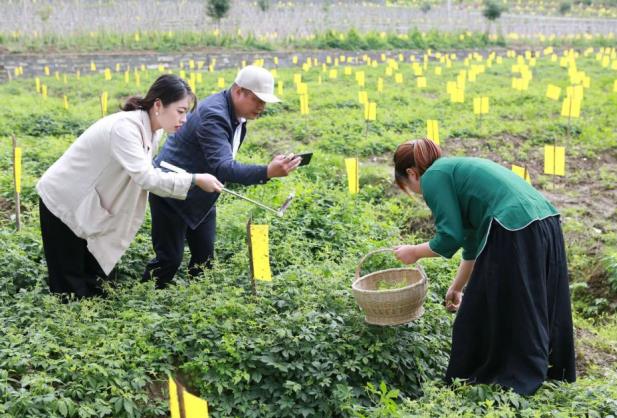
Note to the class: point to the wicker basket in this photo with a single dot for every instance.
(391, 306)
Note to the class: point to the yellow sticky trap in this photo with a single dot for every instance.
(362, 97)
(259, 250)
(571, 107)
(220, 83)
(107, 74)
(438, 70)
(92, 66)
(615, 86)
(332, 74)
(279, 88)
(174, 404)
(432, 130)
(66, 102)
(18, 169)
(194, 407)
(302, 88)
(553, 92)
(44, 91)
(104, 99)
(37, 83)
(297, 78)
(353, 178)
(554, 160)
(398, 78)
(304, 107)
(480, 105)
(347, 71)
(421, 82)
(294, 59)
(380, 85)
(370, 111)
(521, 172)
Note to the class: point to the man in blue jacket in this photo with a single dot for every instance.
(208, 143)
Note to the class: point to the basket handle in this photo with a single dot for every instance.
(363, 259)
(381, 250)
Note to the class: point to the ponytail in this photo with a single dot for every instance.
(419, 154)
(168, 88)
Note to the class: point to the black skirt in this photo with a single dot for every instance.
(514, 325)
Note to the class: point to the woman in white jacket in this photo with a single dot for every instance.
(93, 199)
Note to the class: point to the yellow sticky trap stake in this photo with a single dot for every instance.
(18, 169)
(553, 92)
(370, 111)
(259, 250)
(521, 172)
(571, 107)
(432, 130)
(554, 160)
(174, 404)
(194, 407)
(353, 178)
(304, 108)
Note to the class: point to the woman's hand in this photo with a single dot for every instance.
(454, 298)
(208, 183)
(407, 254)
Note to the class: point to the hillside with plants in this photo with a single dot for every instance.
(300, 346)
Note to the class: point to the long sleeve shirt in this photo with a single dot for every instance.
(465, 195)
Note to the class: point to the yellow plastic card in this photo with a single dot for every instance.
(353, 175)
(260, 253)
(194, 407)
(554, 160)
(432, 130)
(553, 92)
(521, 172)
(571, 107)
(18, 169)
(174, 405)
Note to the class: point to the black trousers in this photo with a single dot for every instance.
(169, 231)
(514, 325)
(71, 267)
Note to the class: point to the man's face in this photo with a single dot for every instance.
(247, 104)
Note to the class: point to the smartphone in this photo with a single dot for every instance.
(306, 157)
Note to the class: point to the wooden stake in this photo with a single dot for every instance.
(17, 198)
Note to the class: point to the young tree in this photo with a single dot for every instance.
(492, 12)
(264, 5)
(217, 9)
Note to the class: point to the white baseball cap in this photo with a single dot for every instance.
(259, 81)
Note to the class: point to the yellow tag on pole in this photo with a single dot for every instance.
(554, 160)
(353, 175)
(521, 172)
(432, 130)
(553, 92)
(571, 107)
(259, 252)
(194, 407)
(174, 404)
(370, 111)
(18, 169)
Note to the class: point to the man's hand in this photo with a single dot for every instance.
(282, 165)
(407, 254)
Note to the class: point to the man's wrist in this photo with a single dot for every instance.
(193, 179)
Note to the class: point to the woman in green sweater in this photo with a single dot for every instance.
(514, 325)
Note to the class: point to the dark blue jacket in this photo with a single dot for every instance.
(204, 145)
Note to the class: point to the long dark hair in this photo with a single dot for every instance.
(168, 88)
(418, 154)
